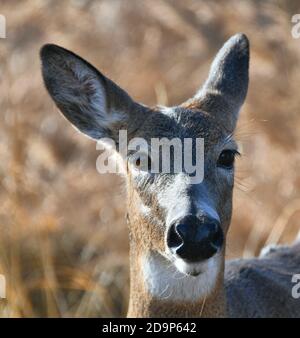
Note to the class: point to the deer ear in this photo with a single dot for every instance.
(226, 87)
(91, 102)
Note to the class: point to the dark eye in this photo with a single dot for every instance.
(226, 158)
(138, 162)
(141, 162)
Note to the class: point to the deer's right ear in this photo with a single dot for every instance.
(91, 102)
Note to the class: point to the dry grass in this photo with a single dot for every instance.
(63, 239)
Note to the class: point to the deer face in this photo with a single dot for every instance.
(183, 221)
(170, 213)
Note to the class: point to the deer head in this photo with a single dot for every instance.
(175, 225)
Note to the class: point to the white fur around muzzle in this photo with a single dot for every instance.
(171, 281)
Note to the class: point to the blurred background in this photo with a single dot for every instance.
(63, 237)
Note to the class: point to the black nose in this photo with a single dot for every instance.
(195, 239)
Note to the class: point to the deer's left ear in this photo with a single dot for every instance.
(91, 102)
(226, 87)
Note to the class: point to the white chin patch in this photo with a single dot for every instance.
(208, 268)
(180, 280)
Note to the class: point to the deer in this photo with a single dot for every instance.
(177, 230)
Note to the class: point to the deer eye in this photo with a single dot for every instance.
(141, 161)
(226, 158)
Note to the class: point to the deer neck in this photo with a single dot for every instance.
(158, 290)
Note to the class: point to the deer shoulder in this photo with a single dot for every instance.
(262, 287)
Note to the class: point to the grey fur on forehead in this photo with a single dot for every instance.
(187, 122)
